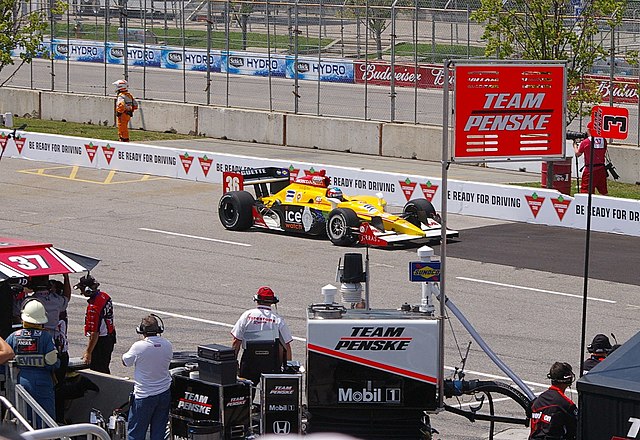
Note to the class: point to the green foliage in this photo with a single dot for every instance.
(544, 30)
(192, 37)
(22, 30)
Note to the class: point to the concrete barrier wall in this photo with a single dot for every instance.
(74, 107)
(334, 134)
(412, 141)
(241, 125)
(627, 162)
(165, 116)
(20, 102)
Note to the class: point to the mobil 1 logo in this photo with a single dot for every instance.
(369, 392)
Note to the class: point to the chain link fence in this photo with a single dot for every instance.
(369, 59)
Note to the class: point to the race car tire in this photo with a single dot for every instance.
(419, 211)
(340, 225)
(235, 210)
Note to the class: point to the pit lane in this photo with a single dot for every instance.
(205, 284)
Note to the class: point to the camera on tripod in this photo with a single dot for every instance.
(576, 135)
(611, 170)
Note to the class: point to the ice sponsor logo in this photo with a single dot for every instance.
(303, 67)
(369, 395)
(62, 49)
(175, 57)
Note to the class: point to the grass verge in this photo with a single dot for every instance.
(108, 133)
(616, 189)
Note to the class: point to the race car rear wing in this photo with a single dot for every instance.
(278, 178)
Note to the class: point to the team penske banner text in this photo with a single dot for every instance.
(506, 202)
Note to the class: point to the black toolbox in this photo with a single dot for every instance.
(216, 352)
(217, 364)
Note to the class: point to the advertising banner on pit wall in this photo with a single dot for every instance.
(255, 64)
(191, 59)
(505, 202)
(326, 70)
(137, 55)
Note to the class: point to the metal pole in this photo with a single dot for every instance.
(226, 33)
(184, 53)
(208, 52)
(393, 60)
(613, 66)
(106, 40)
(144, 50)
(125, 22)
(68, 49)
(319, 59)
(366, 59)
(415, 65)
(52, 25)
(296, 94)
(269, 59)
(443, 237)
(587, 243)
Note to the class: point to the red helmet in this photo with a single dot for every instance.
(265, 294)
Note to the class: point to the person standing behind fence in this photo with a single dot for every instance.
(598, 173)
(126, 104)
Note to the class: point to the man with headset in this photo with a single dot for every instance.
(553, 414)
(150, 357)
(261, 325)
(599, 349)
(99, 325)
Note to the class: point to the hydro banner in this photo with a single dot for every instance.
(137, 55)
(254, 64)
(506, 202)
(191, 59)
(78, 50)
(323, 70)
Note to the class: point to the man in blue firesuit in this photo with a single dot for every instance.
(35, 355)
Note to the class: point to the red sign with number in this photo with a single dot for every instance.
(232, 182)
(509, 111)
(610, 122)
(20, 258)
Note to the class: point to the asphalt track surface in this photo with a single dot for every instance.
(163, 250)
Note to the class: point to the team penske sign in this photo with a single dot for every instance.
(509, 111)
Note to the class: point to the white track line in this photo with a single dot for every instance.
(493, 283)
(177, 234)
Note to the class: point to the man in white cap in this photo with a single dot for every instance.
(126, 104)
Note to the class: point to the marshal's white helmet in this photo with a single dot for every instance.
(34, 312)
(121, 85)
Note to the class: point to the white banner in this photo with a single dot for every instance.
(505, 202)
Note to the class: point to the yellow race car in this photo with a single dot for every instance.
(309, 205)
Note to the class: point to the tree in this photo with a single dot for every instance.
(543, 30)
(22, 31)
(241, 12)
(374, 14)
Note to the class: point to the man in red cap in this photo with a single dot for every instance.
(260, 326)
(599, 173)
